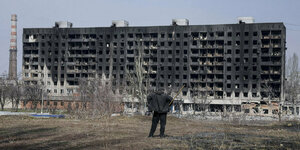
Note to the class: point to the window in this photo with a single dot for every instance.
(185, 35)
(229, 51)
(254, 68)
(228, 68)
(228, 42)
(254, 33)
(237, 94)
(247, 111)
(229, 34)
(229, 77)
(229, 60)
(254, 59)
(228, 85)
(228, 94)
(254, 94)
(254, 51)
(254, 42)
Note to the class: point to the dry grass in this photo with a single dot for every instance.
(20, 132)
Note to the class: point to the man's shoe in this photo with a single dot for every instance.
(150, 136)
(162, 136)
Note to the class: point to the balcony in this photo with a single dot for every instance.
(265, 46)
(218, 71)
(275, 72)
(219, 63)
(218, 80)
(218, 89)
(276, 54)
(276, 45)
(276, 36)
(265, 37)
(219, 46)
(218, 55)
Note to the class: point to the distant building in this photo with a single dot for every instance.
(229, 64)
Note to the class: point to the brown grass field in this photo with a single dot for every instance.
(22, 132)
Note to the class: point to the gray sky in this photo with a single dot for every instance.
(98, 13)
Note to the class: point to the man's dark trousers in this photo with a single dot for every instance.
(162, 117)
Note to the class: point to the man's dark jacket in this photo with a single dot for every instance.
(158, 102)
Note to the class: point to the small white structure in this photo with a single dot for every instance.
(120, 23)
(63, 24)
(180, 22)
(246, 19)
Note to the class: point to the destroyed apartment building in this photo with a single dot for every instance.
(229, 67)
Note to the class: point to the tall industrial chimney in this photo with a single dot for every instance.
(12, 74)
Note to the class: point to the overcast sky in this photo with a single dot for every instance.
(98, 13)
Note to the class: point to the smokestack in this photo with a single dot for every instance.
(12, 74)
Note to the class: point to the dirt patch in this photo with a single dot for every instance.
(19, 132)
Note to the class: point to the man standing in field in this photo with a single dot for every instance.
(158, 102)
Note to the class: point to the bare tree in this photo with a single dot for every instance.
(98, 95)
(15, 93)
(268, 92)
(3, 91)
(138, 86)
(33, 93)
(293, 82)
(85, 92)
(202, 103)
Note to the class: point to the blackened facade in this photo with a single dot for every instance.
(228, 63)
